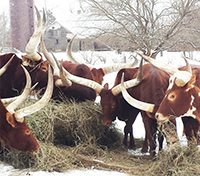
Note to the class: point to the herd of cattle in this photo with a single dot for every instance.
(159, 91)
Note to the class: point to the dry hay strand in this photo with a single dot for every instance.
(77, 123)
(168, 130)
(177, 160)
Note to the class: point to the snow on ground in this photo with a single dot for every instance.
(6, 170)
(138, 127)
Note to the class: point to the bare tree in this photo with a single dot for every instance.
(146, 25)
(50, 17)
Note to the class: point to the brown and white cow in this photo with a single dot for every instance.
(13, 128)
(181, 98)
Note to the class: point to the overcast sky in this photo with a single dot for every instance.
(62, 9)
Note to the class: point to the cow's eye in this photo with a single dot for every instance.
(171, 96)
(27, 132)
(44, 69)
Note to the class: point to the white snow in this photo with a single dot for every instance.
(6, 170)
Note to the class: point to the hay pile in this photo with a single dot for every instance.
(64, 130)
(177, 160)
(71, 136)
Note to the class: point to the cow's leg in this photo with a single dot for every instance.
(152, 141)
(132, 141)
(150, 128)
(147, 129)
(125, 136)
(191, 128)
(128, 129)
(160, 140)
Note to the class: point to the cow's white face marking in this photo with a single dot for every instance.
(171, 82)
(191, 110)
(180, 79)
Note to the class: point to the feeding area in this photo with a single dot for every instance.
(71, 136)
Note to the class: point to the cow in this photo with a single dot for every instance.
(113, 104)
(13, 128)
(13, 80)
(99, 73)
(181, 98)
(74, 90)
(149, 91)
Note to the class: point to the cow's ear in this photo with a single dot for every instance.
(106, 86)
(10, 119)
(191, 83)
(193, 79)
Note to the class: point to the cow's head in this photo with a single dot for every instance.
(109, 100)
(16, 134)
(179, 101)
(13, 128)
(181, 97)
(109, 104)
(98, 74)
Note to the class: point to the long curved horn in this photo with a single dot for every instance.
(117, 67)
(48, 56)
(8, 100)
(97, 87)
(79, 80)
(12, 106)
(133, 102)
(63, 81)
(161, 65)
(106, 70)
(83, 81)
(55, 65)
(31, 47)
(11, 99)
(5, 67)
(69, 52)
(189, 69)
(131, 83)
(20, 114)
(43, 23)
(182, 77)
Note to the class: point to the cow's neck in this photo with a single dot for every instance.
(194, 110)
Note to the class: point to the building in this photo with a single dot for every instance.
(57, 37)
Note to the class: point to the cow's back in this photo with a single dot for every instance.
(11, 80)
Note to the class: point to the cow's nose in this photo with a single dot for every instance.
(106, 123)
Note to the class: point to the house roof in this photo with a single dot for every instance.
(57, 25)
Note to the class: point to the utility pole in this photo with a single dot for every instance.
(22, 22)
